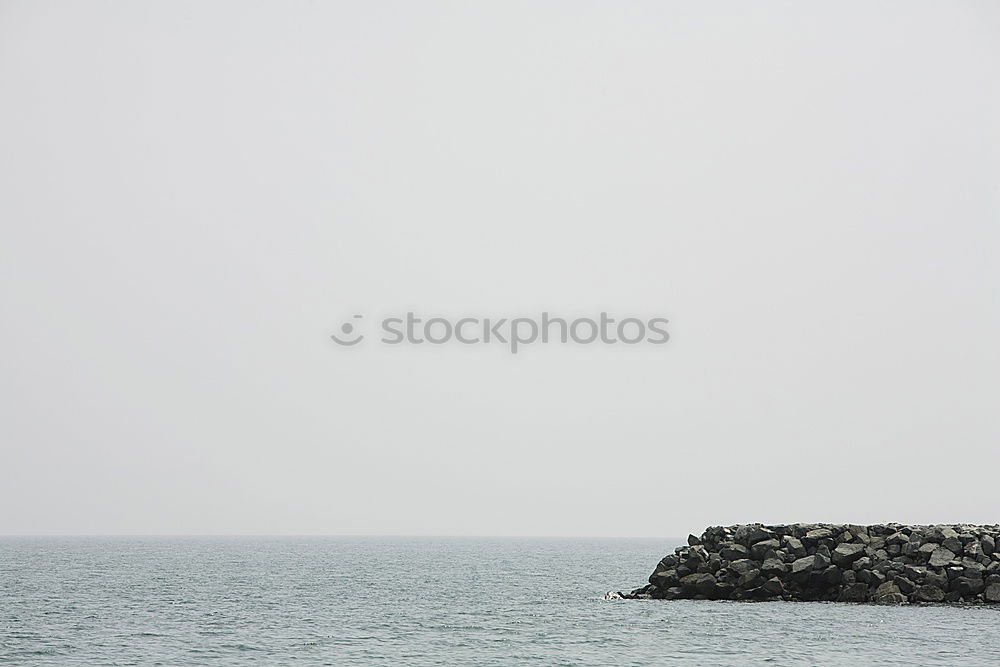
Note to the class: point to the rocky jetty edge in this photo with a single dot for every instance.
(882, 564)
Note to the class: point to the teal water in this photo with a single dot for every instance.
(424, 601)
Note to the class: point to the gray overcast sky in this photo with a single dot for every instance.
(194, 195)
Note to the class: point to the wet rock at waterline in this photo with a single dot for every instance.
(880, 564)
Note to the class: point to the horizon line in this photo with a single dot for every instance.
(348, 535)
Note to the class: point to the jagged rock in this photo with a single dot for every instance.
(973, 568)
(927, 548)
(759, 534)
(857, 592)
(702, 584)
(941, 557)
(860, 533)
(846, 554)
(698, 554)
(750, 579)
(734, 552)
(803, 565)
(664, 578)
(885, 564)
(773, 567)
(760, 550)
(930, 593)
(936, 579)
(742, 535)
(723, 590)
(969, 587)
(793, 545)
(888, 593)
(774, 586)
(905, 585)
(742, 566)
(819, 534)
(952, 544)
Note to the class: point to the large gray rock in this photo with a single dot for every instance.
(759, 534)
(742, 566)
(664, 578)
(742, 534)
(969, 587)
(941, 556)
(936, 579)
(888, 593)
(927, 548)
(734, 552)
(905, 585)
(952, 544)
(761, 549)
(702, 583)
(857, 592)
(773, 567)
(818, 534)
(793, 546)
(750, 579)
(774, 586)
(992, 593)
(803, 565)
(698, 554)
(845, 554)
(930, 593)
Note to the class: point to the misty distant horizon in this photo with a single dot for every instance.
(195, 196)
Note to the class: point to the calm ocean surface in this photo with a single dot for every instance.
(424, 601)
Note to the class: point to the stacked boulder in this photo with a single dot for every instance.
(884, 564)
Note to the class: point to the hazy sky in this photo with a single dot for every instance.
(194, 196)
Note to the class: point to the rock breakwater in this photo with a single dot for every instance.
(883, 564)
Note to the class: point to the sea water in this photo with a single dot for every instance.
(425, 601)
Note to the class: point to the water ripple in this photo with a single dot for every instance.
(346, 601)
